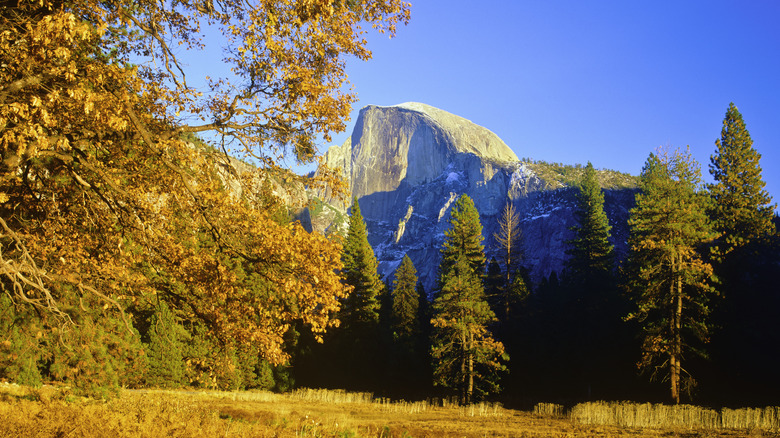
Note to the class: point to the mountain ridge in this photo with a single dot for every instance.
(407, 163)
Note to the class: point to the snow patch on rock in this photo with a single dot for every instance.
(447, 203)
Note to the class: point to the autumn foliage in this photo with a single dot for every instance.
(106, 210)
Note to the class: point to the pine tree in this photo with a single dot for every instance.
(357, 342)
(509, 239)
(406, 302)
(591, 294)
(165, 349)
(745, 263)
(741, 207)
(668, 278)
(518, 289)
(591, 254)
(463, 238)
(423, 346)
(495, 286)
(464, 354)
(360, 272)
(406, 354)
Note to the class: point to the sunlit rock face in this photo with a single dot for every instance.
(407, 164)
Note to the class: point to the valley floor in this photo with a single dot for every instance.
(51, 412)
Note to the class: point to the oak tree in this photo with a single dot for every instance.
(106, 204)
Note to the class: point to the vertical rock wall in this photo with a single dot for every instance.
(407, 164)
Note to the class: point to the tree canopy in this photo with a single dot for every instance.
(361, 308)
(463, 238)
(670, 281)
(105, 201)
(465, 355)
(741, 207)
(406, 302)
(592, 254)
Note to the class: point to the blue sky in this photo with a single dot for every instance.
(573, 81)
(600, 81)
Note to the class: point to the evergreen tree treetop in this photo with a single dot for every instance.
(741, 208)
(360, 271)
(464, 237)
(355, 244)
(406, 300)
(670, 281)
(591, 252)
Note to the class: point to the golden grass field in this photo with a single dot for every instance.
(52, 412)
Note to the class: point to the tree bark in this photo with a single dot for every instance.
(471, 368)
(677, 336)
(463, 391)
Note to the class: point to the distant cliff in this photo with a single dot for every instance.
(407, 164)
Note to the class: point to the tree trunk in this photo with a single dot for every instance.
(678, 333)
(463, 353)
(508, 281)
(471, 368)
(677, 337)
(674, 377)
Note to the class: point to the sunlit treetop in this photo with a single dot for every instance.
(287, 59)
(742, 208)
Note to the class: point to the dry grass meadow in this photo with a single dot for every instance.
(52, 412)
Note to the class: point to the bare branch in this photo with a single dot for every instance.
(169, 56)
(25, 273)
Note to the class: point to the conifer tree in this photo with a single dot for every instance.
(463, 238)
(668, 277)
(165, 349)
(495, 286)
(741, 207)
(465, 357)
(591, 300)
(745, 260)
(357, 342)
(406, 302)
(518, 289)
(591, 254)
(360, 272)
(406, 353)
(509, 239)
(424, 316)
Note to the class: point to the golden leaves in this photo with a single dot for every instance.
(105, 197)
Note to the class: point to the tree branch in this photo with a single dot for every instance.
(18, 85)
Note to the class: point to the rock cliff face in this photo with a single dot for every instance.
(407, 164)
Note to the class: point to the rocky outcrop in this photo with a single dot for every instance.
(242, 180)
(407, 164)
